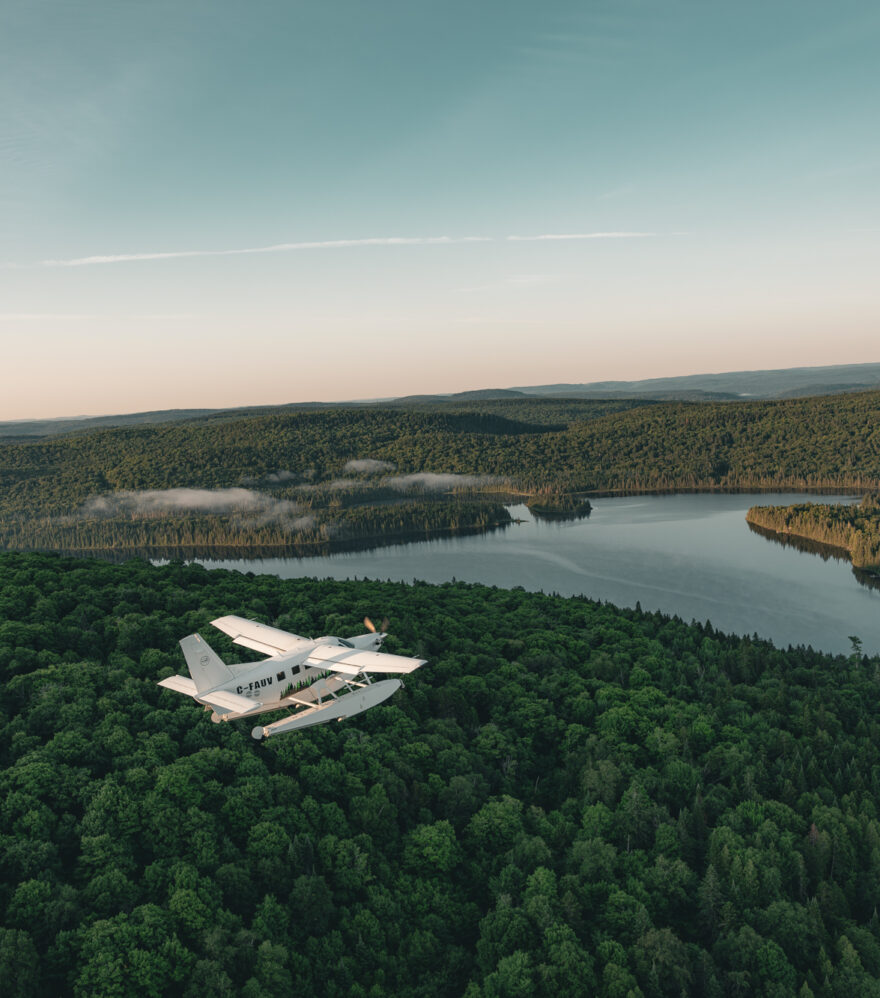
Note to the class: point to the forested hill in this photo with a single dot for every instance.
(788, 382)
(568, 799)
(825, 441)
(309, 481)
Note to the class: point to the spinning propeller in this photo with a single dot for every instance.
(370, 626)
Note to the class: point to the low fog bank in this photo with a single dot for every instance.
(429, 482)
(302, 512)
(369, 465)
(156, 502)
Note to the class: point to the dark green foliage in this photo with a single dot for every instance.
(856, 529)
(568, 799)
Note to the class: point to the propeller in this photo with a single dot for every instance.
(370, 626)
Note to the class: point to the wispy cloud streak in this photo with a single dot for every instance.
(328, 244)
(92, 316)
(581, 235)
(331, 244)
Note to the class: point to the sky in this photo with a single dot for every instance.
(215, 203)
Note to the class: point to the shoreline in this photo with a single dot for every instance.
(764, 520)
(322, 547)
(247, 552)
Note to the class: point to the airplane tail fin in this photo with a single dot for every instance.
(205, 665)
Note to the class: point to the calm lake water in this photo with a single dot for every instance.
(690, 555)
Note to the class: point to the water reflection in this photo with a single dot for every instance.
(826, 552)
(246, 554)
(579, 511)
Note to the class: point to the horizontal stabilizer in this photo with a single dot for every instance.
(180, 684)
(352, 661)
(229, 703)
(259, 637)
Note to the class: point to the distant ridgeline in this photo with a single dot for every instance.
(855, 529)
(569, 799)
(303, 479)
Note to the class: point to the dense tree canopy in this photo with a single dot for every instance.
(553, 449)
(569, 798)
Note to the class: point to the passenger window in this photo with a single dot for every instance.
(280, 677)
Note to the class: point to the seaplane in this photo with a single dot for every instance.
(317, 679)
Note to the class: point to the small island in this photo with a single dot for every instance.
(852, 528)
(558, 506)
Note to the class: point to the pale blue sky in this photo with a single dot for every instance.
(723, 158)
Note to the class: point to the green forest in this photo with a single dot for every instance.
(242, 535)
(323, 464)
(854, 528)
(569, 798)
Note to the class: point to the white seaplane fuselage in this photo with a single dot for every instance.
(275, 679)
(321, 679)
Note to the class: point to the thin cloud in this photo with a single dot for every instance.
(327, 244)
(428, 482)
(581, 235)
(87, 261)
(39, 316)
(158, 502)
(369, 465)
(514, 281)
(91, 316)
(338, 484)
(486, 320)
(281, 476)
(246, 506)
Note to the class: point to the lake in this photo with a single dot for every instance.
(689, 555)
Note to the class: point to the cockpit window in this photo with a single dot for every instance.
(345, 644)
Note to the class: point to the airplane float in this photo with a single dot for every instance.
(319, 679)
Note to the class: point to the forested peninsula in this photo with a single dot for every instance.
(248, 533)
(853, 528)
(568, 799)
(314, 479)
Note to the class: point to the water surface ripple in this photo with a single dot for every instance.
(690, 555)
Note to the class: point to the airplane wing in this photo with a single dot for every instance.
(352, 661)
(270, 641)
(224, 702)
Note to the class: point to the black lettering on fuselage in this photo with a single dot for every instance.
(254, 685)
